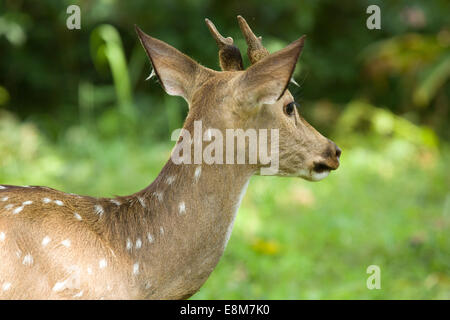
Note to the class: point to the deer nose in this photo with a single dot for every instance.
(334, 150)
(330, 160)
(338, 152)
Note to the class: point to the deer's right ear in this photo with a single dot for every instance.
(178, 74)
(267, 80)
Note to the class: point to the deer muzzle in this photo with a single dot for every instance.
(328, 161)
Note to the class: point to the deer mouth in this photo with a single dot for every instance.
(317, 176)
(316, 173)
(321, 170)
(320, 167)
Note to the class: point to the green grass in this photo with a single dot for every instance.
(292, 239)
(300, 240)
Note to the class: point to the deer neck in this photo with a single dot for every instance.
(187, 218)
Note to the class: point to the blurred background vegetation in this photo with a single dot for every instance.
(77, 115)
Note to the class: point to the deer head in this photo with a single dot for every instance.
(256, 98)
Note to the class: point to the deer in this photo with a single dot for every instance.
(164, 241)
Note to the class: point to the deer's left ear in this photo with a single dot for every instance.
(179, 75)
(267, 80)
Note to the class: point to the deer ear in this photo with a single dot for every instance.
(178, 74)
(267, 80)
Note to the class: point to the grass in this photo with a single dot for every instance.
(299, 240)
(293, 239)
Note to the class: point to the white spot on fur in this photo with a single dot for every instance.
(98, 209)
(159, 196)
(138, 243)
(197, 173)
(79, 294)
(77, 216)
(59, 286)
(102, 264)
(46, 241)
(129, 244)
(6, 286)
(161, 230)
(2, 236)
(182, 208)
(150, 237)
(116, 202)
(2, 187)
(5, 199)
(170, 180)
(18, 253)
(58, 202)
(17, 210)
(9, 206)
(136, 268)
(66, 243)
(46, 200)
(142, 201)
(89, 270)
(26, 203)
(28, 260)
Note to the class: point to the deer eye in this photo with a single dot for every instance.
(289, 109)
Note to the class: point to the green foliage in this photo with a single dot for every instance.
(432, 81)
(388, 204)
(106, 45)
(329, 233)
(403, 66)
(424, 60)
(362, 122)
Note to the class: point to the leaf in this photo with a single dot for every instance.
(434, 79)
(107, 44)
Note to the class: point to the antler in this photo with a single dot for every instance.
(229, 55)
(255, 50)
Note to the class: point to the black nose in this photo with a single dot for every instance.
(333, 151)
(338, 152)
